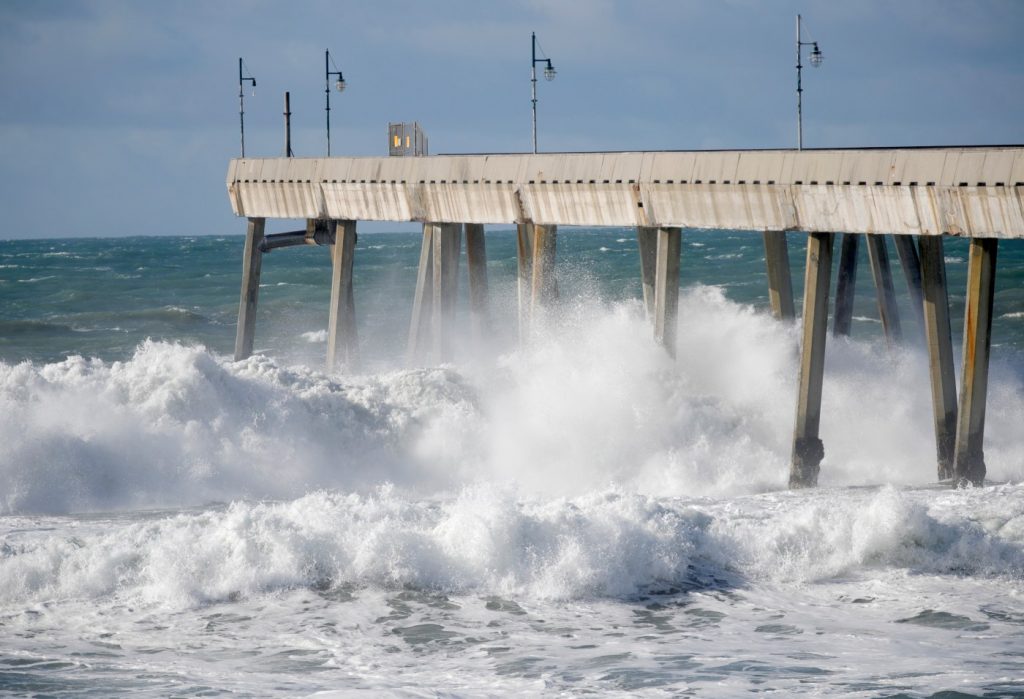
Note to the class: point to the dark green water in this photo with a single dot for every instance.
(102, 297)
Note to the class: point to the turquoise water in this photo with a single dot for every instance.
(102, 297)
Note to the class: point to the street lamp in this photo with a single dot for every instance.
(816, 58)
(241, 99)
(339, 85)
(549, 74)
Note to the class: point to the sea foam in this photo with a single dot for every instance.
(589, 402)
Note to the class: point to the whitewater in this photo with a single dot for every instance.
(579, 514)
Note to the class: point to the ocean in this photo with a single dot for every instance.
(577, 515)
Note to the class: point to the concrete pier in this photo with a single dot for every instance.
(969, 457)
(910, 262)
(938, 336)
(342, 337)
(808, 450)
(881, 272)
(476, 260)
(846, 285)
(437, 279)
(909, 193)
(780, 281)
(252, 264)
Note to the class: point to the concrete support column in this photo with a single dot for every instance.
(524, 256)
(846, 285)
(780, 281)
(808, 450)
(969, 457)
(419, 326)
(538, 285)
(252, 264)
(647, 240)
(342, 338)
(935, 308)
(447, 239)
(476, 260)
(878, 255)
(911, 264)
(545, 284)
(666, 288)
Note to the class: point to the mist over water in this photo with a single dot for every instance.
(579, 513)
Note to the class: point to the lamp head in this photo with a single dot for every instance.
(549, 72)
(816, 56)
(340, 84)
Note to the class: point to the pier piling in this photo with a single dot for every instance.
(419, 325)
(342, 338)
(252, 263)
(911, 264)
(647, 241)
(780, 280)
(881, 272)
(433, 307)
(846, 285)
(935, 307)
(447, 244)
(969, 458)
(808, 450)
(476, 261)
(524, 278)
(666, 288)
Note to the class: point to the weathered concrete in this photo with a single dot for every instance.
(666, 288)
(447, 239)
(974, 191)
(476, 260)
(342, 338)
(940, 351)
(544, 284)
(433, 307)
(906, 248)
(969, 457)
(780, 279)
(881, 272)
(252, 263)
(846, 285)
(647, 242)
(808, 450)
(524, 277)
(423, 299)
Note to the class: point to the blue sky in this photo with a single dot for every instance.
(119, 117)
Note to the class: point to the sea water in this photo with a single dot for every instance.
(576, 514)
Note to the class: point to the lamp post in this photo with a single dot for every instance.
(549, 74)
(241, 99)
(816, 58)
(339, 85)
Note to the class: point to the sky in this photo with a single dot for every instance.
(119, 117)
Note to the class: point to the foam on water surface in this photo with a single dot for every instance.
(578, 515)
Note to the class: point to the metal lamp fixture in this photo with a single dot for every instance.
(241, 99)
(339, 85)
(816, 57)
(549, 74)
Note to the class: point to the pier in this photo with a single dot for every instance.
(915, 196)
